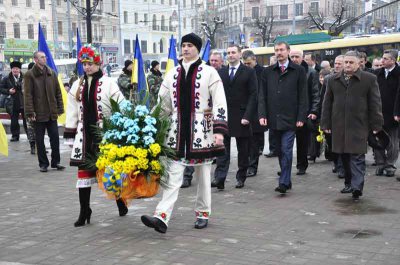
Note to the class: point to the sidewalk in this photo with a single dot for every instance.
(313, 224)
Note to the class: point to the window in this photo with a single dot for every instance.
(255, 11)
(161, 46)
(154, 22)
(14, 2)
(96, 34)
(127, 46)
(240, 13)
(236, 14)
(162, 2)
(154, 47)
(113, 6)
(28, 3)
(58, 2)
(299, 9)
(102, 31)
(83, 30)
(170, 2)
(60, 28)
(74, 29)
(17, 31)
(270, 11)
(184, 23)
(114, 32)
(191, 3)
(163, 27)
(146, 18)
(184, 3)
(125, 17)
(1, 2)
(283, 12)
(30, 32)
(136, 18)
(2, 31)
(41, 4)
(143, 46)
(314, 7)
(44, 29)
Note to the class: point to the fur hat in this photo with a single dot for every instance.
(88, 53)
(154, 64)
(194, 39)
(127, 63)
(15, 64)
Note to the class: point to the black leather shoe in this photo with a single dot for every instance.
(251, 173)
(239, 184)
(347, 189)
(33, 149)
(281, 188)
(58, 167)
(43, 169)
(201, 223)
(301, 172)
(270, 154)
(279, 173)
(218, 185)
(122, 209)
(155, 223)
(356, 194)
(186, 183)
(334, 169)
(14, 139)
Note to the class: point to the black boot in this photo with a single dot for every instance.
(33, 148)
(123, 210)
(86, 212)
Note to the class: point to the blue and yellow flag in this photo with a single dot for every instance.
(172, 58)
(42, 46)
(138, 74)
(3, 141)
(206, 52)
(79, 66)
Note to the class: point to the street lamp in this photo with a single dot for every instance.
(87, 12)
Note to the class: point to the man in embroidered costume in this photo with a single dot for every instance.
(192, 95)
(88, 102)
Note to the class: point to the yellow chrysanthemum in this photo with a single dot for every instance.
(155, 166)
(155, 149)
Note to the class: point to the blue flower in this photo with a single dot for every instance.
(141, 110)
(148, 140)
(150, 120)
(149, 129)
(125, 105)
(132, 138)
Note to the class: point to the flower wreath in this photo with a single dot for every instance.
(88, 53)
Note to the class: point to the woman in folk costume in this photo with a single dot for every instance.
(88, 102)
(192, 95)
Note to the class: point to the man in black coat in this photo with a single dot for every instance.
(240, 84)
(12, 85)
(303, 133)
(283, 106)
(257, 140)
(388, 81)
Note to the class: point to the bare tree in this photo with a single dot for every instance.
(210, 30)
(264, 26)
(338, 23)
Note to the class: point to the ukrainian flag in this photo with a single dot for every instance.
(206, 52)
(79, 65)
(42, 46)
(172, 58)
(138, 74)
(3, 141)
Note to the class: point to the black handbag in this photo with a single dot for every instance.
(9, 104)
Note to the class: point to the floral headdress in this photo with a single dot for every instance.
(88, 53)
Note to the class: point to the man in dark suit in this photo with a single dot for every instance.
(282, 105)
(240, 84)
(389, 82)
(257, 140)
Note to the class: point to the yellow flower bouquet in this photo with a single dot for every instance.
(129, 163)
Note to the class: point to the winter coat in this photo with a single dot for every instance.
(255, 122)
(241, 96)
(197, 108)
(125, 85)
(389, 89)
(42, 94)
(283, 96)
(350, 112)
(9, 82)
(154, 82)
(75, 131)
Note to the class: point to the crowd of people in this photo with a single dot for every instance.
(294, 98)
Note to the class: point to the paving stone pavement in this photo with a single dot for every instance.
(313, 224)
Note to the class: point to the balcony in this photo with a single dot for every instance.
(172, 29)
(156, 27)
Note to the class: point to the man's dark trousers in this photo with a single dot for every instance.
(302, 140)
(271, 142)
(284, 148)
(354, 168)
(256, 149)
(52, 131)
(221, 171)
(15, 128)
